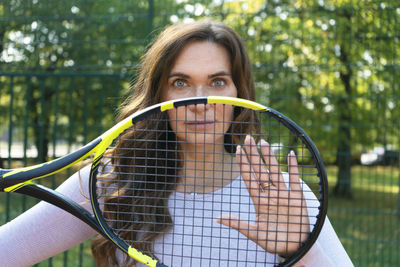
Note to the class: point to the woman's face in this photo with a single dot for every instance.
(201, 69)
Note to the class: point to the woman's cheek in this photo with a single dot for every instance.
(173, 119)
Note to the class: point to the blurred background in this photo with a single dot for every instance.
(330, 65)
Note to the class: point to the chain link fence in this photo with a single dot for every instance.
(331, 66)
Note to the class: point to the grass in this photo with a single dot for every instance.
(368, 224)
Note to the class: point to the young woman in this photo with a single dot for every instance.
(198, 59)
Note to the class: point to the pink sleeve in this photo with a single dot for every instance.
(45, 230)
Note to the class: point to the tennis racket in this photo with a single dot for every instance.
(205, 181)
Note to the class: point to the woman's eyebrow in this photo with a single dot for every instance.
(178, 74)
(220, 73)
(183, 75)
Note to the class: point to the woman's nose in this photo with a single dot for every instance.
(199, 91)
(199, 108)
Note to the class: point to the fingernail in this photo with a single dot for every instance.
(263, 142)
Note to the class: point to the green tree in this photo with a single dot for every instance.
(327, 65)
(42, 40)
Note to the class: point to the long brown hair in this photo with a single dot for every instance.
(156, 65)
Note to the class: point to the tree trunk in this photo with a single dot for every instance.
(398, 197)
(41, 119)
(343, 156)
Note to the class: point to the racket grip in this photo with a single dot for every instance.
(160, 265)
(3, 184)
(2, 172)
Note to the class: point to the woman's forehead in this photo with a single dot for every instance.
(202, 56)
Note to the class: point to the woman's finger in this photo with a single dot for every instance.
(275, 174)
(294, 176)
(250, 179)
(255, 160)
(248, 230)
(296, 189)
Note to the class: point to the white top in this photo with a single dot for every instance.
(45, 230)
(197, 240)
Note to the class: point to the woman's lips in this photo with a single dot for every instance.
(199, 125)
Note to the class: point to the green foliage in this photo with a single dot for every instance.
(68, 65)
(330, 65)
(326, 65)
(301, 51)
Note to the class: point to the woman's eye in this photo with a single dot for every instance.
(218, 83)
(179, 83)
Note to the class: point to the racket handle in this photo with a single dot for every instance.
(3, 184)
(3, 171)
(160, 265)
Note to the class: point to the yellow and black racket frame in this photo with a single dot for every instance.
(22, 180)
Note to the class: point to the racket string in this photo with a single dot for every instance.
(140, 179)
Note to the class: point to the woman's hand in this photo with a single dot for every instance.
(281, 222)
